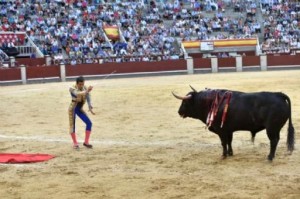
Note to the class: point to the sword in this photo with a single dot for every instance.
(105, 77)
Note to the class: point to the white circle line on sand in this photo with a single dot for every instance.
(20, 165)
(22, 91)
(168, 143)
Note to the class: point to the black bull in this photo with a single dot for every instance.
(246, 111)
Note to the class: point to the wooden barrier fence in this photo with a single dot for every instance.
(191, 65)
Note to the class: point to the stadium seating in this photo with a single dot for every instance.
(82, 29)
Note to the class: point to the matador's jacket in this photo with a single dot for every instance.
(79, 97)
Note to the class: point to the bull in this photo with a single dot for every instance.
(225, 112)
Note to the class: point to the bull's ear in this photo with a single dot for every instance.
(193, 89)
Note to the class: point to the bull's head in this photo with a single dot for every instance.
(186, 108)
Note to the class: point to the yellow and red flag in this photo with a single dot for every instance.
(112, 32)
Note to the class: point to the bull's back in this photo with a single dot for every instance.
(255, 111)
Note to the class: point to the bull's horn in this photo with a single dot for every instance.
(193, 89)
(180, 97)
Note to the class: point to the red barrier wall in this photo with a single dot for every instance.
(125, 67)
(202, 63)
(196, 55)
(31, 61)
(283, 60)
(251, 61)
(10, 74)
(42, 72)
(226, 62)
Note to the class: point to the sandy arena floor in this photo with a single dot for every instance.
(142, 148)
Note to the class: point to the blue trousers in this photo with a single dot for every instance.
(77, 110)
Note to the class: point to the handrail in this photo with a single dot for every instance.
(3, 53)
(37, 50)
(122, 38)
(185, 54)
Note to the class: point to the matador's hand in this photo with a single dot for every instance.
(91, 110)
(90, 88)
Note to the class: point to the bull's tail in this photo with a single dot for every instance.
(290, 142)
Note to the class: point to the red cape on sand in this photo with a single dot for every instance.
(23, 158)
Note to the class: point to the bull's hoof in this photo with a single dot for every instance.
(223, 157)
(270, 158)
(230, 153)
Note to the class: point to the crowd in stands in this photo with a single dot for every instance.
(196, 24)
(148, 30)
(145, 32)
(281, 26)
